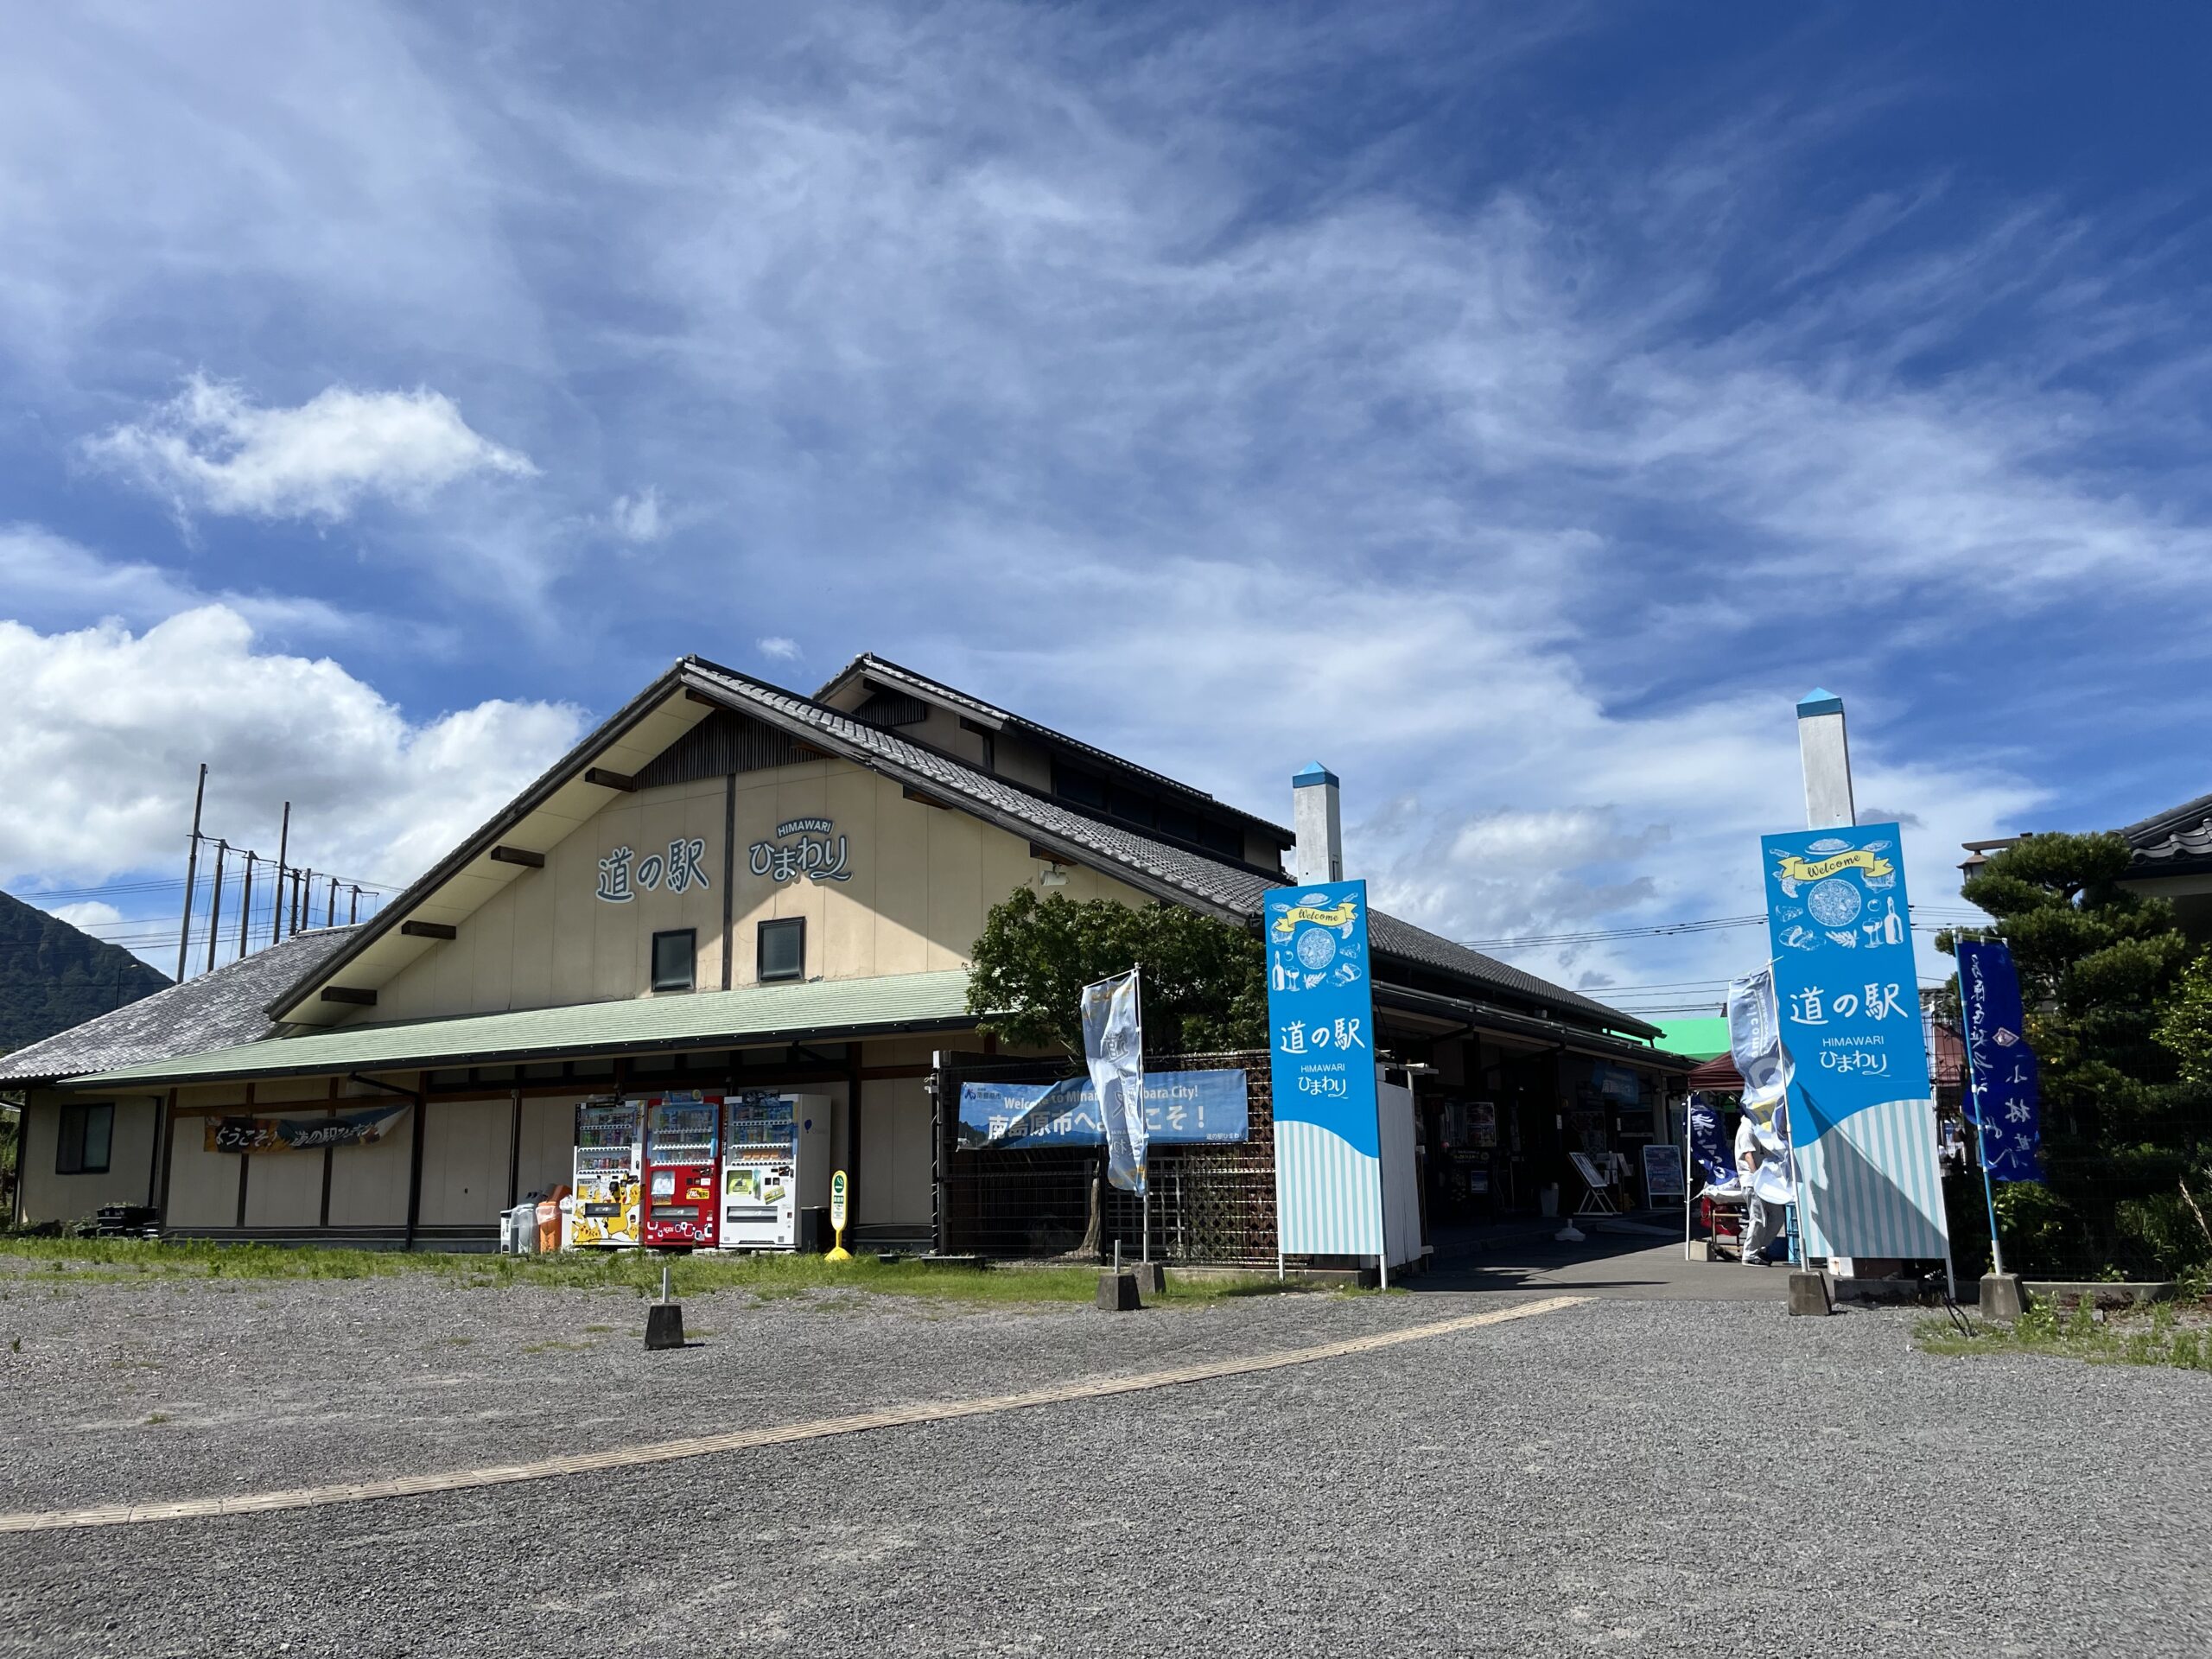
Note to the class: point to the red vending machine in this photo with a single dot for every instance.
(682, 1133)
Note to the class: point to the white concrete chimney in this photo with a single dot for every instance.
(1319, 823)
(1826, 753)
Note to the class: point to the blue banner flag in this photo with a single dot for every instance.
(1709, 1148)
(1862, 1118)
(1321, 1038)
(1186, 1107)
(2003, 1096)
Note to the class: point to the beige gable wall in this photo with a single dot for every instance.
(920, 879)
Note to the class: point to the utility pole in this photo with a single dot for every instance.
(190, 872)
(245, 903)
(277, 908)
(215, 904)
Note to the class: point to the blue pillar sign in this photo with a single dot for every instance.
(1321, 1020)
(1862, 1118)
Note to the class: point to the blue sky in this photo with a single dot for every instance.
(1515, 408)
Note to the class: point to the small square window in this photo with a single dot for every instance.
(783, 949)
(88, 1131)
(675, 959)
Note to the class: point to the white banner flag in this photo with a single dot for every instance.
(1755, 1042)
(1113, 1047)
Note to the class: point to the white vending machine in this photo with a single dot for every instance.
(775, 1163)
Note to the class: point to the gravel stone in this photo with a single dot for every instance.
(1624, 1476)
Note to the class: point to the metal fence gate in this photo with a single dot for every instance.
(1209, 1202)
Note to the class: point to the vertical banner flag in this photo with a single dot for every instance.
(1321, 1027)
(1862, 1117)
(2005, 1098)
(1113, 1047)
(1755, 1042)
(1709, 1150)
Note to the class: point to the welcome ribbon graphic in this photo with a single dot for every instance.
(1335, 916)
(1795, 868)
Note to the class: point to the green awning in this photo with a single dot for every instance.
(1701, 1038)
(819, 1011)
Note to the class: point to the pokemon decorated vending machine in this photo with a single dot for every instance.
(775, 1163)
(603, 1208)
(682, 1131)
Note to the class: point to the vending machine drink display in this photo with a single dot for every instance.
(775, 1163)
(603, 1208)
(682, 1131)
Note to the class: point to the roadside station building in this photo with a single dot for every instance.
(730, 885)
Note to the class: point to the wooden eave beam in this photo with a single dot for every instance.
(429, 929)
(606, 779)
(521, 855)
(358, 996)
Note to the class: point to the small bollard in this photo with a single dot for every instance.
(1808, 1294)
(2002, 1297)
(1117, 1292)
(1151, 1277)
(663, 1318)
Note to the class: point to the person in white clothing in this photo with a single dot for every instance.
(1762, 1216)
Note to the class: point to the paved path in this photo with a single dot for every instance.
(1614, 1259)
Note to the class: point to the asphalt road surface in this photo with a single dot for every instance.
(1623, 1475)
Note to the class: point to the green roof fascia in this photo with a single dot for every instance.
(818, 1010)
(1701, 1038)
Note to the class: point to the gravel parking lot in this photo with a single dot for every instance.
(1621, 1476)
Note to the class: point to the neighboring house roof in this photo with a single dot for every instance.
(756, 1014)
(215, 1010)
(885, 673)
(2177, 841)
(1229, 889)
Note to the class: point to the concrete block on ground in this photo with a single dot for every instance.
(1152, 1278)
(1809, 1295)
(1117, 1292)
(2002, 1297)
(663, 1325)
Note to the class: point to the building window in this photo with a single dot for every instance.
(783, 949)
(675, 959)
(87, 1130)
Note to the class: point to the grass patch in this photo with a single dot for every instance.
(2165, 1335)
(130, 1259)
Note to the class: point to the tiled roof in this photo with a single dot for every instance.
(215, 1010)
(1236, 888)
(887, 672)
(2179, 835)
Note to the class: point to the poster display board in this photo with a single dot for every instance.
(1187, 1107)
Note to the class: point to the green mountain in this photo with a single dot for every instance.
(53, 976)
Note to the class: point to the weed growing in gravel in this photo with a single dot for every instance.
(2166, 1335)
(125, 1259)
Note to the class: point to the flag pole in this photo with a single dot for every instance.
(1688, 1100)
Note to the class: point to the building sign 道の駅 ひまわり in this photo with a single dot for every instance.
(623, 875)
(801, 847)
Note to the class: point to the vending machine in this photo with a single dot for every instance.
(682, 1131)
(775, 1163)
(603, 1210)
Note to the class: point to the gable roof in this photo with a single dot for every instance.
(883, 671)
(2174, 842)
(552, 806)
(215, 1010)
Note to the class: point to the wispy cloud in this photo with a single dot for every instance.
(778, 648)
(637, 518)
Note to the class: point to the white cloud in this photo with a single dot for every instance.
(91, 915)
(638, 517)
(211, 449)
(47, 576)
(777, 646)
(107, 728)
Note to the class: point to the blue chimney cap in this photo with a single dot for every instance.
(1314, 776)
(1817, 701)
